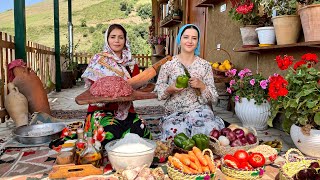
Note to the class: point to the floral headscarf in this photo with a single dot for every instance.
(96, 70)
(178, 40)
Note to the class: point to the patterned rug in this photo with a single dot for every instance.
(26, 161)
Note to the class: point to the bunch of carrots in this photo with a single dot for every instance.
(192, 163)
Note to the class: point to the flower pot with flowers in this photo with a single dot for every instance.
(158, 42)
(309, 15)
(266, 34)
(297, 96)
(246, 12)
(287, 22)
(249, 91)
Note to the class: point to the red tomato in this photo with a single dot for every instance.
(241, 155)
(231, 161)
(256, 160)
(245, 165)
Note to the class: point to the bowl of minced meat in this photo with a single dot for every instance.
(124, 153)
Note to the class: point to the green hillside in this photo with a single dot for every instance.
(90, 20)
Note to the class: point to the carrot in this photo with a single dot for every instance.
(184, 159)
(193, 171)
(175, 163)
(210, 163)
(194, 166)
(186, 169)
(199, 155)
(191, 156)
(205, 169)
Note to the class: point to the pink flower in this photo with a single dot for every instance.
(236, 98)
(231, 73)
(264, 84)
(252, 82)
(245, 72)
(229, 90)
(232, 82)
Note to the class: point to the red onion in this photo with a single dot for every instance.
(225, 131)
(243, 141)
(239, 133)
(251, 138)
(235, 143)
(231, 136)
(215, 133)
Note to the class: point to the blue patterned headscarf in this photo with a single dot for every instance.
(178, 40)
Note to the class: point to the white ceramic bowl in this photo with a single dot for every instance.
(120, 160)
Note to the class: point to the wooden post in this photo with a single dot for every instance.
(20, 30)
(57, 45)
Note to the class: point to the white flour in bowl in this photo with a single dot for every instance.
(131, 148)
(40, 132)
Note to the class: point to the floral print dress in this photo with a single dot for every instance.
(186, 111)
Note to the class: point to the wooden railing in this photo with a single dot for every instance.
(39, 58)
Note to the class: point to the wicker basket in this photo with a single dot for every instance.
(163, 156)
(176, 174)
(294, 164)
(243, 174)
(221, 151)
(218, 71)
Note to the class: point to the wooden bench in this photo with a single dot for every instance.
(143, 61)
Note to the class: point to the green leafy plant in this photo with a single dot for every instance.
(285, 7)
(247, 85)
(297, 95)
(245, 11)
(268, 6)
(145, 11)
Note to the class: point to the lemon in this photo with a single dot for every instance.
(222, 67)
(226, 61)
(215, 65)
(227, 66)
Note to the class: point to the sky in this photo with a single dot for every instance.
(8, 4)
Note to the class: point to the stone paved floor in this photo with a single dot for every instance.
(65, 100)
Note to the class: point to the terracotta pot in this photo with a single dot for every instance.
(249, 35)
(252, 115)
(309, 16)
(287, 28)
(308, 145)
(17, 106)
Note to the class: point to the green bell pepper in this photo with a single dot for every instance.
(182, 81)
(188, 144)
(201, 140)
(179, 139)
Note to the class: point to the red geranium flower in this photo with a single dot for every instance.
(298, 64)
(310, 57)
(285, 62)
(244, 8)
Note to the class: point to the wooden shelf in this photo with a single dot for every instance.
(274, 47)
(163, 1)
(208, 3)
(170, 23)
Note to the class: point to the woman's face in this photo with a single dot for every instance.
(189, 40)
(116, 40)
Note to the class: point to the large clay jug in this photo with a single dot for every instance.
(17, 106)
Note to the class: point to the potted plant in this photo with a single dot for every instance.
(158, 42)
(247, 13)
(297, 96)
(309, 14)
(287, 22)
(69, 70)
(266, 34)
(250, 92)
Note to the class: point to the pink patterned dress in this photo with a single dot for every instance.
(186, 111)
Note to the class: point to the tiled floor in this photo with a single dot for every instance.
(65, 100)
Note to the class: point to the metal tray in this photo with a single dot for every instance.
(22, 133)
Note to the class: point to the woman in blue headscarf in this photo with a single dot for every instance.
(188, 109)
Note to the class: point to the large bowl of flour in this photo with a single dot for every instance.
(124, 154)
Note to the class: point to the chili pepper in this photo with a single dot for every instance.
(182, 81)
(179, 139)
(188, 144)
(201, 140)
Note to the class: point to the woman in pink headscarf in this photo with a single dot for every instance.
(113, 120)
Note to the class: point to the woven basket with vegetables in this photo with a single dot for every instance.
(299, 167)
(163, 151)
(231, 139)
(194, 165)
(220, 68)
(243, 165)
(183, 144)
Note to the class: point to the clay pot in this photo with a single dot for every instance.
(16, 105)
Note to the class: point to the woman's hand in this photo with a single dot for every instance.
(197, 83)
(173, 89)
